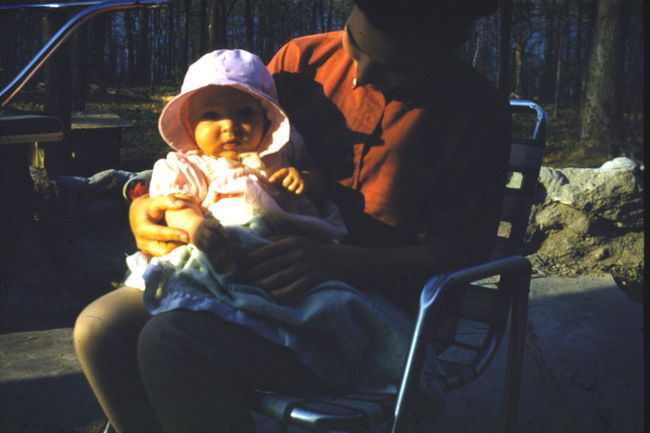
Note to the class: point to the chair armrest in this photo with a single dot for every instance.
(431, 300)
(439, 284)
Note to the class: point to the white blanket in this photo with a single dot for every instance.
(352, 339)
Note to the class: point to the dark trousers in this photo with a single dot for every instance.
(180, 371)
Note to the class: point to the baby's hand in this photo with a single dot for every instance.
(291, 179)
(211, 238)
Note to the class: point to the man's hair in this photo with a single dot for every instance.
(413, 20)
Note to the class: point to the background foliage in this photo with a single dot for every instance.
(536, 49)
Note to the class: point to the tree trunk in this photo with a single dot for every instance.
(591, 24)
(505, 31)
(562, 41)
(173, 23)
(98, 50)
(218, 19)
(205, 25)
(143, 58)
(602, 117)
(313, 23)
(130, 46)
(187, 42)
(579, 53)
(550, 51)
(153, 50)
(58, 86)
(248, 17)
(519, 68)
(322, 15)
(80, 89)
(330, 12)
(58, 89)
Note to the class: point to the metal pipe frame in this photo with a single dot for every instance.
(431, 293)
(524, 105)
(55, 42)
(51, 5)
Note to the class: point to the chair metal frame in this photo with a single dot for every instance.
(452, 297)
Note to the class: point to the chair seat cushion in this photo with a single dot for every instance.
(354, 412)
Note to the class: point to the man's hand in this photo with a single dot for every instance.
(291, 178)
(290, 265)
(146, 215)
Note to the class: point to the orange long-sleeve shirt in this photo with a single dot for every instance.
(430, 171)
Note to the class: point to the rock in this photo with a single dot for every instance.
(621, 164)
(588, 220)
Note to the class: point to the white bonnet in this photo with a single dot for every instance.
(234, 68)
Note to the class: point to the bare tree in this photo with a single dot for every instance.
(129, 25)
(505, 14)
(80, 69)
(143, 56)
(186, 47)
(58, 86)
(602, 116)
(249, 21)
(562, 41)
(521, 34)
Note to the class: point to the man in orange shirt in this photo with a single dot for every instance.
(414, 144)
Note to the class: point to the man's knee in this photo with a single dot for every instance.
(165, 351)
(182, 337)
(163, 335)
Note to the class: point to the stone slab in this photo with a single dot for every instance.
(583, 371)
(42, 388)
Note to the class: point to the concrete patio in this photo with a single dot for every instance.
(583, 371)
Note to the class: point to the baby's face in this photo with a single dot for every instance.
(226, 121)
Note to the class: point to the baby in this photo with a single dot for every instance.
(237, 161)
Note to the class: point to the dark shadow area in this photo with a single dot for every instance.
(70, 252)
(58, 274)
(583, 366)
(309, 110)
(48, 405)
(583, 371)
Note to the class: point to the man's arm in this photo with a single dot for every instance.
(291, 265)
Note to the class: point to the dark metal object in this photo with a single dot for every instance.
(63, 34)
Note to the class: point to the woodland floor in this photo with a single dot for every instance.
(142, 145)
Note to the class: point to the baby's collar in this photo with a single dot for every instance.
(251, 160)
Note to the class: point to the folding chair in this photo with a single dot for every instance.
(489, 294)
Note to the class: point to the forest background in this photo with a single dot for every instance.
(581, 59)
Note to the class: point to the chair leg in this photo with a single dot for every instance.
(417, 353)
(515, 357)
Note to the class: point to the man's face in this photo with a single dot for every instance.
(388, 65)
